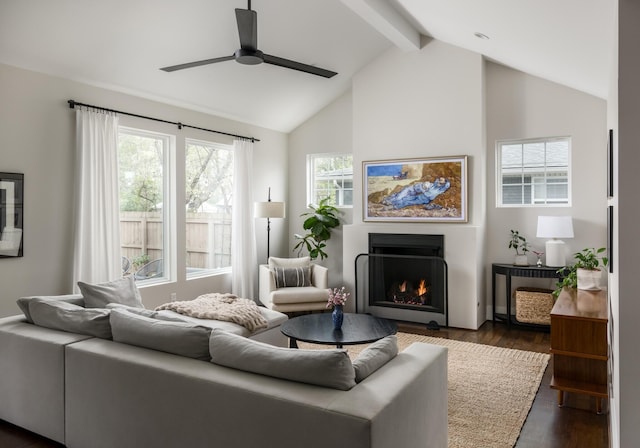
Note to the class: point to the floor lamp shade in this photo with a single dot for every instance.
(268, 209)
(555, 228)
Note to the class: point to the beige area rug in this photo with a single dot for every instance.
(491, 389)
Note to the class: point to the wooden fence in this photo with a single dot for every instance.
(141, 233)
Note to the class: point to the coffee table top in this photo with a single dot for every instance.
(356, 329)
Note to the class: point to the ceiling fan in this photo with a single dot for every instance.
(248, 52)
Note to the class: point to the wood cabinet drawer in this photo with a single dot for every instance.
(578, 336)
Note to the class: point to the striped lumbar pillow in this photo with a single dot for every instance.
(292, 277)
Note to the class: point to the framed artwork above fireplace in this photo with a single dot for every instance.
(416, 190)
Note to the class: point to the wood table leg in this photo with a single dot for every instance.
(598, 405)
(560, 398)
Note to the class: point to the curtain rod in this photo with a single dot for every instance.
(73, 104)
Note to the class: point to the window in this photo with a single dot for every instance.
(143, 158)
(330, 175)
(533, 172)
(208, 195)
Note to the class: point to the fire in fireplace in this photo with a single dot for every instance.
(408, 271)
(406, 293)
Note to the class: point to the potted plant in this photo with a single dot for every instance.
(519, 243)
(321, 220)
(585, 273)
(588, 270)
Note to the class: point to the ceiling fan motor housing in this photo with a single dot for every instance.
(249, 56)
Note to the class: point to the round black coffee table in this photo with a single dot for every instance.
(318, 329)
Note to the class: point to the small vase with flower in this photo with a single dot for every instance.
(337, 299)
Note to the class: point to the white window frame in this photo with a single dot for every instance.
(536, 181)
(311, 177)
(169, 186)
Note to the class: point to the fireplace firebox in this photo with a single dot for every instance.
(406, 272)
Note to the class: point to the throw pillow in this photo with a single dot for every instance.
(179, 338)
(302, 262)
(64, 316)
(23, 302)
(123, 290)
(375, 356)
(327, 368)
(292, 277)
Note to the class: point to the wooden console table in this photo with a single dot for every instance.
(579, 344)
(511, 270)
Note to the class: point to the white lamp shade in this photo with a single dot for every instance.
(268, 209)
(555, 227)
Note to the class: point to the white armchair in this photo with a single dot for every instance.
(293, 284)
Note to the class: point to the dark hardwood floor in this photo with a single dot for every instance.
(576, 425)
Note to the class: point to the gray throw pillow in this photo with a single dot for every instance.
(327, 368)
(135, 310)
(99, 295)
(64, 316)
(179, 338)
(375, 356)
(292, 277)
(23, 302)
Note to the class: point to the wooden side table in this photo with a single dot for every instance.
(579, 344)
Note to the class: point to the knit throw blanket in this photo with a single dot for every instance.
(226, 307)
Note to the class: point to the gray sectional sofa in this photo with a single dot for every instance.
(88, 392)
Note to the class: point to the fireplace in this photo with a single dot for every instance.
(406, 272)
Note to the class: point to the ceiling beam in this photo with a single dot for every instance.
(388, 21)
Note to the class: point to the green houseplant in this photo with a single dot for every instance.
(585, 273)
(519, 244)
(319, 223)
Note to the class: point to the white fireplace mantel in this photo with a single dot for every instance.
(461, 252)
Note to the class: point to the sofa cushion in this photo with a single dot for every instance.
(299, 295)
(23, 302)
(327, 368)
(134, 309)
(375, 356)
(179, 338)
(123, 290)
(65, 316)
(292, 277)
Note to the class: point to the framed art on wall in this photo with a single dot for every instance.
(610, 164)
(610, 237)
(11, 214)
(416, 190)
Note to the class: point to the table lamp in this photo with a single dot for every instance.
(555, 227)
(268, 210)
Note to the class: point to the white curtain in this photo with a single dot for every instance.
(96, 256)
(243, 247)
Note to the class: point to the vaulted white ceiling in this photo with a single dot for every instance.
(121, 44)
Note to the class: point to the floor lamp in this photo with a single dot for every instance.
(268, 210)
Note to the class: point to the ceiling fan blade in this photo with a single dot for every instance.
(247, 28)
(275, 60)
(173, 68)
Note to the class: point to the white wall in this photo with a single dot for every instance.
(625, 302)
(614, 287)
(421, 104)
(523, 106)
(37, 138)
(329, 131)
